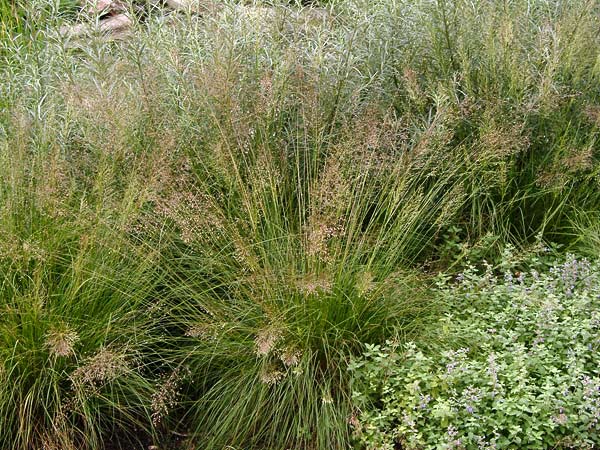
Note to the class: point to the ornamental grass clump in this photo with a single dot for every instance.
(70, 293)
(62, 315)
(313, 206)
(517, 366)
(74, 284)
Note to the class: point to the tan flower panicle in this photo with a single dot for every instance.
(290, 356)
(266, 340)
(271, 376)
(313, 284)
(103, 367)
(61, 342)
(165, 398)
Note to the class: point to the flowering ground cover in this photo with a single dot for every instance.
(517, 367)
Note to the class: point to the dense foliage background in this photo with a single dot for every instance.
(203, 224)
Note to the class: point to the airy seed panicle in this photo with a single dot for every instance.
(61, 342)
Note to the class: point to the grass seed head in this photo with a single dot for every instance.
(103, 367)
(61, 342)
(290, 356)
(167, 395)
(266, 340)
(271, 376)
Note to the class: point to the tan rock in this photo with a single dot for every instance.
(74, 31)
(115, 26)
(101, 7)
(195, 6)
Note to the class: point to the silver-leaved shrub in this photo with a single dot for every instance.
(517, 367)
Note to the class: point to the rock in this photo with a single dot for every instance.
(195, 6)
(102, 7)
(115, 26)
(74, 31)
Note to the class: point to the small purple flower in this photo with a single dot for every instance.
(451, 366)
(424, 401)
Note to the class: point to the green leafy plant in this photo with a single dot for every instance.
(517, 367)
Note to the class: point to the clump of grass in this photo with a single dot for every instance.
(294, 224)
(516, 78)
(71, 334)
(75, 287)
